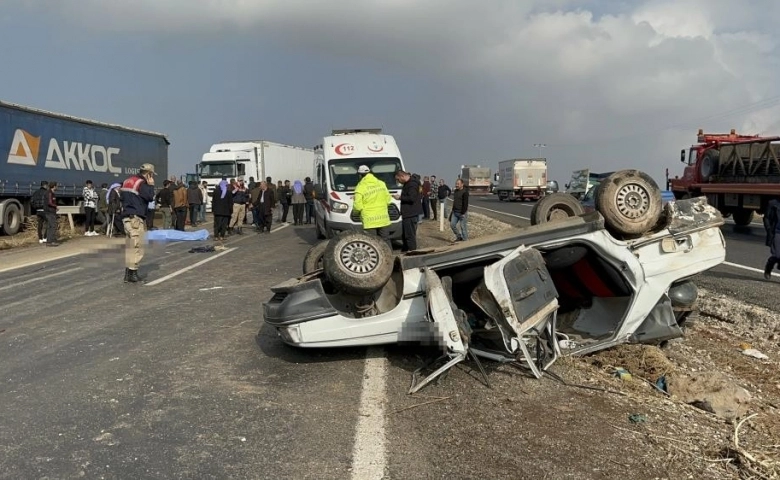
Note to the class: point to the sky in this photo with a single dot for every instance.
(604, 84)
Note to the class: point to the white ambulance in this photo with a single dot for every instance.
(336, 175)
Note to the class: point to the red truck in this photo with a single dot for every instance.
(738, 174)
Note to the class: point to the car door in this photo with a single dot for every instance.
(518, 294)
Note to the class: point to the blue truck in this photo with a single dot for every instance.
(36, 145)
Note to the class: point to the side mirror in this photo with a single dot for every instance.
(682, 156)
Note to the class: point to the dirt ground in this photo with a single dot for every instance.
(708, 409)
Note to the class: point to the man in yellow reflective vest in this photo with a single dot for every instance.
(371, 201)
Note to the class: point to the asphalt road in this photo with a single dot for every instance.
(180, 378)
(745, 252)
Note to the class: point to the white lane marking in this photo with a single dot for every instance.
(368, 452)
(277, 229)
(502, 213)
(27, 282)
(750, 269)
(188, 268)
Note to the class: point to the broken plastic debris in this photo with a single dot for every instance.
(752, 352)
(206, 249)
(622, 374)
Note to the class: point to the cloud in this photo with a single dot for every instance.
(606, 76)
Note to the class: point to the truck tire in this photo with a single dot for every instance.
(709, 165)
(630, 202)
(554, 207)
(743, 217)
(12, 219)
(313, 259)
(358, 263)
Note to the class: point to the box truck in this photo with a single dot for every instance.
(257, 159)
(38, 145)
(522, 179)
(476, 179)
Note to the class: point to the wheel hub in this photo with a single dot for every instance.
(359, 257)
(558, 214)
(633, 201)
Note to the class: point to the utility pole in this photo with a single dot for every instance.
(540, 146)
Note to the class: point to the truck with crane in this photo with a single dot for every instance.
(739, 174)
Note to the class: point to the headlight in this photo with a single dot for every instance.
(339, 207)
(290, 335)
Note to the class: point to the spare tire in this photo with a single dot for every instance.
(556, 206)
(313, 259)
(709, 165)
(358, 263)
(630, 202)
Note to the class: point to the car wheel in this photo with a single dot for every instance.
(313, 259)
(630, 202)
(743, 217)
(357, 263)
(554, 207)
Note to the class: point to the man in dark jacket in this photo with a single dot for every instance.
(194, 201)
(309, 195)
(136, 193)
(285, 197)
(459, 213)
(38, 204)
(411, 208)
(265, 207)
(164, 201)
(50, 209)
(772, 227)
(221, 208)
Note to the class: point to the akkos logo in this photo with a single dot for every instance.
(24, 148)
(72, 155)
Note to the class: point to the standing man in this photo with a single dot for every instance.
(772, 227)
(51, 216)
(285, 197)
(371, 201)
(460, 206)
(180, 205)
(103, 215)
(163, 199)
(136, 193)
(204, 190)
(308, 194)
(411, 208)
(240, 201)
(265, 207)
(433, 198)
(426, 193)
(194, 201)
(38, 204)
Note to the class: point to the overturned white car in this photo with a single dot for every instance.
(572, 284)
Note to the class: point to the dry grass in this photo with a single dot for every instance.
(29, 233)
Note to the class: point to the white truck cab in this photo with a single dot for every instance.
(336, 164)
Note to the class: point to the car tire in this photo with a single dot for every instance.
(743, 217)
(630, 202)
(357, 263)
(312, 261)
(555, 207)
